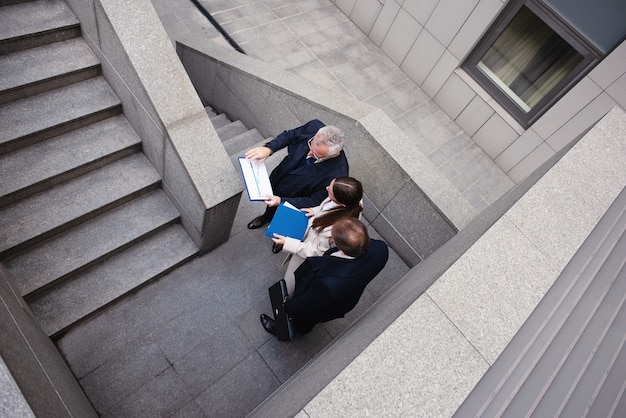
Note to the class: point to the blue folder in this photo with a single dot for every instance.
(288, 221)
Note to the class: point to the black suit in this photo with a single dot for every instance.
(328, 287)
(301, 184)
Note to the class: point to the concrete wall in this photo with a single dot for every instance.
(34, 378)
(430, 39)
(408, 202)
(140, 64)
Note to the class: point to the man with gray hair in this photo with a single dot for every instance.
(315, 157)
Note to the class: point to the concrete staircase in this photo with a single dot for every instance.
(235, 136)
(83, 219)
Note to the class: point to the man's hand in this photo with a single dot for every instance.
(258, 153)
(272, 200)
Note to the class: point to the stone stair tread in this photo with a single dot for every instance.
(219, 121)
(243, 141)
(89, 292)
(210, 112)
(33, 17)
(231, 130)
(45, 160)
(56, 107)
(88, 243)
(36, 217)
(31, 66)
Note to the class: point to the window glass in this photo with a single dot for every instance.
(528, 59)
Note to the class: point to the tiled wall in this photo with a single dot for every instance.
(429, 39)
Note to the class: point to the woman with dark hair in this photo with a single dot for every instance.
(345, 195)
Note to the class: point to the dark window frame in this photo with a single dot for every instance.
(591, 56)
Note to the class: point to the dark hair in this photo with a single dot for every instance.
(351, 236)
(348, 191)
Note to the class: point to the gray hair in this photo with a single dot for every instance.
(333, 138)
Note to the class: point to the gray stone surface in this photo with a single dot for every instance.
(26, 220)
(25, 68)
(474, 309)
(44, 378)
(81, 247)
(80, 296)
(55, 108)
(50, 161)
(21, 20)
(241, 282)
(12, 402)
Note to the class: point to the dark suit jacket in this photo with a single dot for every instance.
(303, 185)
(328, 287)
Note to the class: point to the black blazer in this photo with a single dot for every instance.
(303, 186)
(328, 287)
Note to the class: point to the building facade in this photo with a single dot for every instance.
(522, 78)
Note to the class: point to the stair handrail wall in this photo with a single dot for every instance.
(408, 201)
(158, 99)
(34, 379)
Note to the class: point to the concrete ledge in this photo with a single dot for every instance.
(141, 66)
(12, 402)
(36, 380)
(409, 203)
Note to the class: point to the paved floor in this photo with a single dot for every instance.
(190, 344)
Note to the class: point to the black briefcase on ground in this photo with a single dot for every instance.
(284, 325)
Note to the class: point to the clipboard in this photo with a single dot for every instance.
(256, 178)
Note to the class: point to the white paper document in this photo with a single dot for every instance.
(256, 178)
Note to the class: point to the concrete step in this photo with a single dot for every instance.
(32, 24)
(44, 164)
(219, 121)
(93, 290)
(12, 2)
(72, 252)
(231, 130)
(210, 112)
(45, 115)
(36, 218)
(237, 144)
(37, 70)
(234, 135)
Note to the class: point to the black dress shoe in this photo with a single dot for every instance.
(269, 324)
(257, 222)
(276, 248)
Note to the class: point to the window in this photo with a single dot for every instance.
(534, 53)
